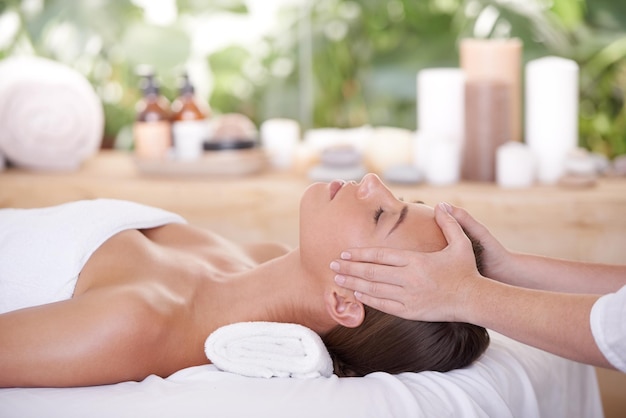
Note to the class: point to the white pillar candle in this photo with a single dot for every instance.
(551, 113)
(440, 117)
(444, 162)
(440, 101)
(515, 165)
(280, 138)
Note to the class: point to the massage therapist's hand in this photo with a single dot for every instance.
(496, 260)
(414, 285)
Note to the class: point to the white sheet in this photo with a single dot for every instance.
(510, 380)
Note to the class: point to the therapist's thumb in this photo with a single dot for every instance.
(449, 226)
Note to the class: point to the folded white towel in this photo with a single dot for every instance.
(269, 349)
(50, 116)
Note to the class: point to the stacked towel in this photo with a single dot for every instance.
(269, 349)
(50, 116)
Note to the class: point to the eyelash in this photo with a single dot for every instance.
(377, 214)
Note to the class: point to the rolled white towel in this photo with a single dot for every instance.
(50, 116)
(269, 349)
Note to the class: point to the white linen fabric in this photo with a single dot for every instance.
(269, 349)
(510, 380)
(50, 116)
(44, 249)
(608, 326)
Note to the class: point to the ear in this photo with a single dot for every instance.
(345, 310)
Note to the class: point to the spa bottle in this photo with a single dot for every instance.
(152, 128)
(189, 122)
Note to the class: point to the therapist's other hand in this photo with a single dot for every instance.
(496, 260)
(414, 285)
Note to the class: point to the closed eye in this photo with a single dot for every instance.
(377, 214)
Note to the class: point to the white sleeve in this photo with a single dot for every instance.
(608, 326)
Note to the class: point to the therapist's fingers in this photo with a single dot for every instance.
(392, 307)
(495, 257)
(468, 223)
(403, 301)
(451, 229)
(385, 297)
(372, 271)
(378, 255)
(373, 289)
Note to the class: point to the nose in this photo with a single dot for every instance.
(369, 186)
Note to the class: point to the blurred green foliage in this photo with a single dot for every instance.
(340, 63)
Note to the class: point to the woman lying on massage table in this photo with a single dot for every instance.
(104, 291)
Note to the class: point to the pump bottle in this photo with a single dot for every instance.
(152, 128)
(189, 122)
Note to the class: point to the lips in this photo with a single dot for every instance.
(334, 187)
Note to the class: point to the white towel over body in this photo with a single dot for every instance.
(269, 349)
(43, 250)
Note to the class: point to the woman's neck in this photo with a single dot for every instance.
(279, 290)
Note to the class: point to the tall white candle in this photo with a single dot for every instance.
(440, 111)
(440, 93)
(551, 113)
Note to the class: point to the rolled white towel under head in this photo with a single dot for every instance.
(50, 116)
(269, 349)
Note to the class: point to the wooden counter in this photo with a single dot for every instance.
(581, 224)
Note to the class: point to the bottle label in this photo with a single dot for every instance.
(189, 137)
(153, 140)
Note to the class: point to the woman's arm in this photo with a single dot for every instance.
(98, 338)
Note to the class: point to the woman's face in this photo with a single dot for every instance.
(336, 216)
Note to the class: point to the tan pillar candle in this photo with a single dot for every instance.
(492, 102)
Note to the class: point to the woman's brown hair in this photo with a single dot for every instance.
(391, 344)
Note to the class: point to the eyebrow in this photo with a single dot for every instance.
(401, 218)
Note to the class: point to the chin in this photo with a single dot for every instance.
(312, 202)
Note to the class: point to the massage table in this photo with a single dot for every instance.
(510, 380)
